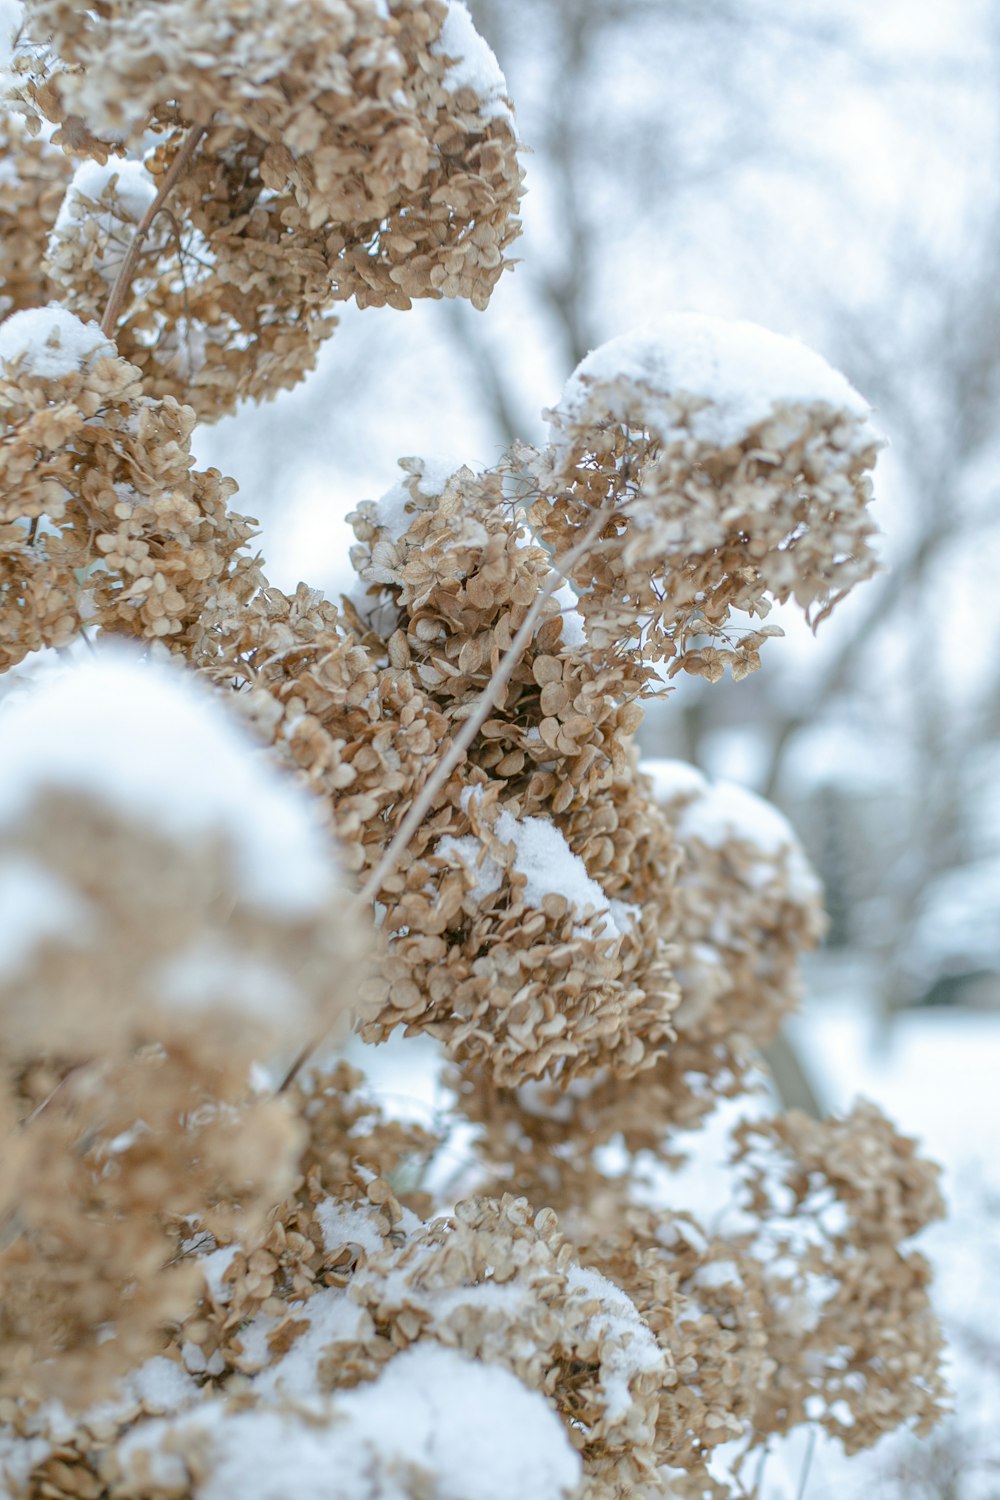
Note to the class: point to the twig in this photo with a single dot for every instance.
(759, 1476)
(806, 1466)
(792, 1081)
(456, 754)
(40, 1108)
(125, 272)
(477, 719)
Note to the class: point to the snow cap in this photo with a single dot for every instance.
(152, 743)
(50, 341)
(742, 372)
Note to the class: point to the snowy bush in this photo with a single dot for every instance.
(231, 817)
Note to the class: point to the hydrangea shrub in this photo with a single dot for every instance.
(233, 819)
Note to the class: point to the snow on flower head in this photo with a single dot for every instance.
(96, 224)
(134, 190)
(153, 744)
(747, 902)
(470, 1430)
(472, 63)
(736, 465)
(193, 880)
(49, 342)
(689, 375)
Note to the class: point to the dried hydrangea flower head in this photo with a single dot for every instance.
(103, 520)
(867, 1290)
(115, 1153)
(524, 922)
(747, 905)
(505, 947)
(35, 174)
(500, 1283)
(352, 149)
(178, 884)
(774, 1316)
(452, 570)
(452, 573)
(172, 914)
(744, 905)
(736, 464)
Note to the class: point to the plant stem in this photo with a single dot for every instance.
(456, 754)
(807, 1465)
(490, 694)
(40, 1108)
(124, 278)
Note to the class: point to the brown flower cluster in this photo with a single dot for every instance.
(35, 174)
(156, 948)
(866, 1360)
(821, 1314)
(650, 1341)
(516, 932)
(103, 520)
(112, 1155)
(350, 150)
(745, 905)
(735, 467)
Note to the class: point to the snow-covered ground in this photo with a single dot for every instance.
(937, 1074)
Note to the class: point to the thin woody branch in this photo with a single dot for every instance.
(123, 280)
(424, 800)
